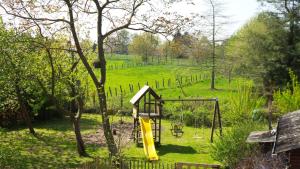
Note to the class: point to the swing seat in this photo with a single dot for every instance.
(176, 129)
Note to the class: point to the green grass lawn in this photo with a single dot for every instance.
(157, 72)
(187, 148)
(55, 147)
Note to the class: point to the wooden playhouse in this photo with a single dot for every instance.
(147, 103)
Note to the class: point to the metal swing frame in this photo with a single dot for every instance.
(216, 117)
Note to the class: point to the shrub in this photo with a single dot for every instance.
(191, 113)
(232, 147)
(260, 115)
(241, 104)
(289, 99)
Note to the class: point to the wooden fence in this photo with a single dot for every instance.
(156, 84)
(118, 94)
(196, 166)
(142, 164)
(121, 66)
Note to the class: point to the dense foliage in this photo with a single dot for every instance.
(232, 148)
(288, 99)
(258, 49)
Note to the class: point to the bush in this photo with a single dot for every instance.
(287, 100)
(260, 115)
(241, 104)
(232, 147)
(191, 113)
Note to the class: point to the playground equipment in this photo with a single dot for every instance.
(176, 129)
(147, 114)
(216, 116)
(147, 108)
(149, 147)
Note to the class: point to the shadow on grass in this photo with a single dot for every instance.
(65, 124)
(171, 148)
(44, 150)
(59, 124)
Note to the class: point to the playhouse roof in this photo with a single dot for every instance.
(261, 137)
(288, 133)
(137, 97)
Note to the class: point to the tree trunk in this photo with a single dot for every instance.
(24, 110)
(99, 85)
(52, 72)
(80, 144)
(269, 104)
(212, 85)
(112, 147)
(229, 76)
(75, 118)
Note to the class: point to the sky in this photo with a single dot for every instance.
(240, 11)
(237, 12)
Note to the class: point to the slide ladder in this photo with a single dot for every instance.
(147, 136)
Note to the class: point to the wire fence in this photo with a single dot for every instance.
(120, 66)
(118, 94)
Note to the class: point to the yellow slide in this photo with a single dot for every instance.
(147, 136)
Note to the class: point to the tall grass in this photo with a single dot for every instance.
(241, 104)
(289, 99)
(232, 147)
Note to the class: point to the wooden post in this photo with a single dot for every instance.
(213, 125)
(132, 89)
(110, 91)
(139, 86)
(163, 83)
(219, 117)
(145, 103)
(121, 99)
(149, 105)
(116, 91)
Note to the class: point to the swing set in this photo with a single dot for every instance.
(177, 126)
(148, 104)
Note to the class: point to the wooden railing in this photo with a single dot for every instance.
(196, 166)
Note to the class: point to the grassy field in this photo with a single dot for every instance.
(55, 146)
(161, 72)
